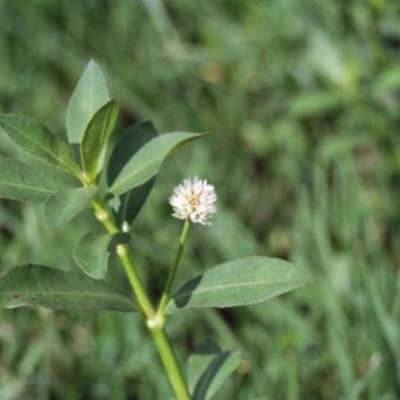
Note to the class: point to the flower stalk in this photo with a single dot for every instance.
(168, 287)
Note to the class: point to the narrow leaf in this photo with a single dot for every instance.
(129, 144)
(96, 137)
(147, 161)
(209, 367)
(92, 252)
(37, 285)
(64, 205)
(133, 201)
(19, 181)
(240, 282)
(89, 95)
(36, 140)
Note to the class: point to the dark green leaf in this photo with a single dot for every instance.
(131, 141)
(89, 95)
(64, 205)
(147, 161)
(240, 282)
(36, 140)
(209, 367)
(133, 201)
(19, 181)
(96, 137)
(37, 285)
(92, 252)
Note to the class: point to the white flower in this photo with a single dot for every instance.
(194, 199)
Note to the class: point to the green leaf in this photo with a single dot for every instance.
(37, 285)
(36, 140)
(240, 282)
(147, 161)
(132, 202)
(92, 252)
(209, 367)
(129, 144)
(64, 205)
(96, 137)
(19, 181)
(90, 94)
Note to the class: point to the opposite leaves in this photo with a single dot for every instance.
(37, 285)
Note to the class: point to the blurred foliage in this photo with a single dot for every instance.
(303, 98)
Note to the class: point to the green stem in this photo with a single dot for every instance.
(124, 255)
(155, 323)
(170, 362)
(167, 291)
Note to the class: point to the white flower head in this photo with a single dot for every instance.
(194, 199)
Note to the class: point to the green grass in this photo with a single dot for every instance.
(303, 100)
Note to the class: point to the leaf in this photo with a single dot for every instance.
(19, 181)
(89, 95)
(92, 252)
(133, 201)
(96, 137)
(240, 282)
(209, 367)
(131, 141)
(64, 205)
(147, 161)
(38, 285)
(36, 140)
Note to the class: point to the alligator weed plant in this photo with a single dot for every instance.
(70, 177)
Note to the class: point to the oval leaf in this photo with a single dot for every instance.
(90, 94)
(36, 140)
(37, 285)
(147, 161)
(209, 367)
(96, 137)
(64, 205)
(240, 282)
(129, 144)
(92, 252)
(19, 181)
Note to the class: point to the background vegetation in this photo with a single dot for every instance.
(303, 98)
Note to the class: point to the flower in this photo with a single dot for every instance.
(194, 199)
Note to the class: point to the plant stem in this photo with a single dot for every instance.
(171, 364)
(124, 255)
(167, 291)
(154, 322)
